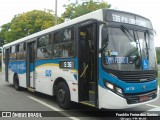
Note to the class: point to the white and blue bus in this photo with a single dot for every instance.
(104, 59)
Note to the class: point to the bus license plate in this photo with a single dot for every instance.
(143, 98)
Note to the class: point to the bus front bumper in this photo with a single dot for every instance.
(110, 100)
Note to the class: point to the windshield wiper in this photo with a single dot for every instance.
(132, 38)
(129, 35)
(147, 48)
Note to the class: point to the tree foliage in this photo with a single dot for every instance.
(30, 22)
(4, 29)
(158, 55)
(25, 24)
(74, 10)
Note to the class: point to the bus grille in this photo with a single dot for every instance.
(132, 99)
(140, 76)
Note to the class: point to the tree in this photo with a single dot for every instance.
(74, 10)
(158, 55)
(4, 29)
(26, 23)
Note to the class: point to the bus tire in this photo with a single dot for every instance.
(63, 95)
(16, 83)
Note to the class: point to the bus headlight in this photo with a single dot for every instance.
(113, 88)
(109, 85)
(119, 90)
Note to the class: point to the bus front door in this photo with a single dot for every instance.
(87, 56)
(31, 46)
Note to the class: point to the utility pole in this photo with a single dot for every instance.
(55, 22)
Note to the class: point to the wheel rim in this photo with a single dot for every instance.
(61, 95)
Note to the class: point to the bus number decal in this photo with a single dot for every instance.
(66, 64)
(48, 73)
(130, 88)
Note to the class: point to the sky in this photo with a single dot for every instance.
(146, 8)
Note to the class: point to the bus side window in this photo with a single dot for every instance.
(13, 53)
(20, 50)
(64, 43)
(44, 47)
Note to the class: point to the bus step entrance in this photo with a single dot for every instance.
(31, 89)
(92, 91)
(89, 103)
(92, 86)
(91, 95)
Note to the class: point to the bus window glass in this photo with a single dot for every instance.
(130, 55)
(118, 55)
(44, 47)
(151, 51)
(142, 44)
(20, 51)
(44, 41)
(13, 53)
(64, 43)
(4, 53)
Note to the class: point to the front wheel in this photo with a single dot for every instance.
(63, 95)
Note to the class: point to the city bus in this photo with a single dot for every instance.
(104, 59)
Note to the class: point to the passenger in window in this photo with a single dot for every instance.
(39, 54)
(45, 53)
(65, 52)
(58, 51)
(71, 50)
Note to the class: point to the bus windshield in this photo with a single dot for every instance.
(129, 50)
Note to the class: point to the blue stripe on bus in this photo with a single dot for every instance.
(56, 61)
(127, 87)
(19, 67)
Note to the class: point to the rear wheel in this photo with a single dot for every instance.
(16, 83)
(63, 95)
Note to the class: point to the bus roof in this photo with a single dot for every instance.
(91, 15)
(97, 15)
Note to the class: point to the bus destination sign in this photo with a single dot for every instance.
(128, 18)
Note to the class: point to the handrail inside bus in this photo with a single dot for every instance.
(84, 71)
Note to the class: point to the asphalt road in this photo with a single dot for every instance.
(21, 101)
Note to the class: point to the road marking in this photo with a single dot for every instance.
(53, 108)
(152, 105)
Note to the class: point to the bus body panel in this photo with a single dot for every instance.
(22, 80)
(47, 71)
(18, 68)
(10, 76)
(115, 101)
